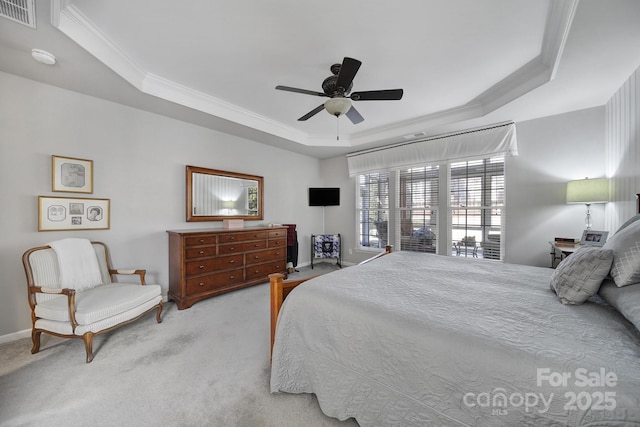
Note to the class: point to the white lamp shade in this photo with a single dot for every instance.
(588, 191)
(337, 106)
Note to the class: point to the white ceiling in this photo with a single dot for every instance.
(461, 63)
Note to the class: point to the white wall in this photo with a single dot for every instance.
(139, 163)
(623, 150)
(552, 151)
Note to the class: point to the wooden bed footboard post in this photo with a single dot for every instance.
(277, 298)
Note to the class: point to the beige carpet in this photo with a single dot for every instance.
(204, 366)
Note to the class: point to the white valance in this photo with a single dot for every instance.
(467, 145)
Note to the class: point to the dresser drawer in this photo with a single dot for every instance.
(264, 256)
(200, 252)
(277, 243)
(274, 234)
(233, 248)
(209, 265)
(200, 240)
(263, 270)
(214, 281)
(242, 237)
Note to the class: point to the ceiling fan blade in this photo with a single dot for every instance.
(348, 71)
(312, 113)
(354, 115)
(378, 95)
(304, 91)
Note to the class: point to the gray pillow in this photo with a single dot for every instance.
(580, 275)
(626, 300)
(629, 222)
(625, 245)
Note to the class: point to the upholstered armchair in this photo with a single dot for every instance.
(73, 295)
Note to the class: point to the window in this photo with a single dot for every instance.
(373, 209)
(417, 213)
(472, 214)
(477, 204)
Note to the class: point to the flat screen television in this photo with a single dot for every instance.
(326, 196)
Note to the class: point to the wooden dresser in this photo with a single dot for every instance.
(205, 263)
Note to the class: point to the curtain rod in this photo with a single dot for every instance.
(433, 138)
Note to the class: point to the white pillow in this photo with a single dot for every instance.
(626, 300)
(580, 275)
(625, 245)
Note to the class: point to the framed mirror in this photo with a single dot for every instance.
(215, 195)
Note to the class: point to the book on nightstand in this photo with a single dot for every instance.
(566, 242)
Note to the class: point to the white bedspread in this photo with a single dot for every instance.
(423, 340)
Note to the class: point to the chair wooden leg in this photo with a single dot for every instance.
(35, 338)
(158, 313)
(88, 344)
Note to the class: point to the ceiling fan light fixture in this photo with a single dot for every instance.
(337, 106)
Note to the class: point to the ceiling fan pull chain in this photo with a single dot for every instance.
(337, 128)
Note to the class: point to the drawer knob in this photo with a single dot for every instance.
(201, 284)
(277, 253)
(201, 267)
(232, 238)
(232, 277)
(201, 252)
(201, 240)
(232, 249)
(232, 261)
(256, 257)
(257, 271)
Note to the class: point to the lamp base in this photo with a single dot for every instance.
(587, 218)
(233, 223)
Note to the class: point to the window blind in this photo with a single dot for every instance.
(499, 140)
(477, 207)
(417, 214)
(373, 209)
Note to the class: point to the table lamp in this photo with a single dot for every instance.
(588, 191)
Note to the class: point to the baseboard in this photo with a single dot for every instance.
(15, 336)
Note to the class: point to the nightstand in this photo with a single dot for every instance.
(560, 251)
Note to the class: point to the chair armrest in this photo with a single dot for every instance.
(44, 290)
(140, 273)
(71, 300)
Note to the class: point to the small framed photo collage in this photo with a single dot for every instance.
(71, 175)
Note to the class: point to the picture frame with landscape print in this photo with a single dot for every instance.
(73, 213)
(71, 175)
(593, 238)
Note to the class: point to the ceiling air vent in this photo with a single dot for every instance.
(22, 11)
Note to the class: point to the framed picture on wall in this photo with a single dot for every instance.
(71, 175)
(71, 213)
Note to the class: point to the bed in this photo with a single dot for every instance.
(414, 339)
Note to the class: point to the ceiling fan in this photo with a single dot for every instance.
(338, 88)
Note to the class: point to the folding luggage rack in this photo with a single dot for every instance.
(325, 246)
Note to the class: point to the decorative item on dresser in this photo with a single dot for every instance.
(208, 262)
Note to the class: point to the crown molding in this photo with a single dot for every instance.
(183, 95)
(72, 22)
(539, 71)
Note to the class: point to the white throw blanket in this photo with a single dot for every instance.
(78, 263)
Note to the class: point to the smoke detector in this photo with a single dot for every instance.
(43, 56)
